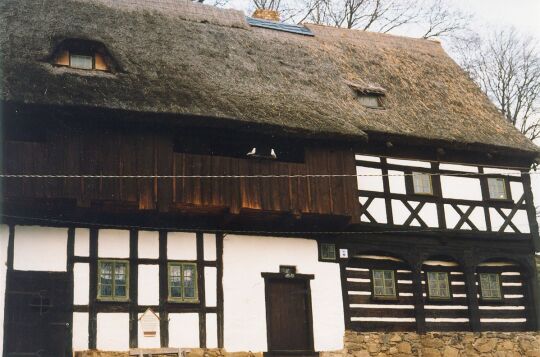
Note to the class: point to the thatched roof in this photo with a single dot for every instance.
(196, 61)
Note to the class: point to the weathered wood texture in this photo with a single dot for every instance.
(135, 153)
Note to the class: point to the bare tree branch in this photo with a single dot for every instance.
(507, 68)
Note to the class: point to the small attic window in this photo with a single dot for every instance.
(82, 54)
(370, 100)
(370, 96)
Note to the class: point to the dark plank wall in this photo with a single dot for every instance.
(130, 153)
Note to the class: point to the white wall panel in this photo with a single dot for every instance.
(4, 239)
(82, 242)
(147, 341)
(209, 241)
(367, 158)
(210, 286)
(451, 216)
(113, 331)
(495, 170)
(464, 188)
(113, 243)
(148, 244)
(413, 163)
(372, 181)
(377, 209)
(184, 330)
(478, 218)
(521, 221)
(80, 331)
(428, 214)
(454, 167)
(181, 246)
(32, 241)
(148, 281)
(81, 283)
(517, 190)
(496, 219)
(211, 331)
(400, 213)
(397, 182)
(244, 258)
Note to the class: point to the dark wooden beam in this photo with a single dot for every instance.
(133, 288)
(92, 311)
(163, 290)
(220, 297)
(469, 269)
(201, 289)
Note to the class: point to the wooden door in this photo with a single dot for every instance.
(288, 315)
(38, 315)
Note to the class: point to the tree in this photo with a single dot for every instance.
(506, 66)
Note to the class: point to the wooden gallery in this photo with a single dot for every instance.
(178, 175)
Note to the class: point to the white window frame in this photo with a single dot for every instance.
(418, 189)
(81, 57)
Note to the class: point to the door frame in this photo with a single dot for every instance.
(306, 278)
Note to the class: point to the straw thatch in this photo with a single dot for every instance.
(195, 61)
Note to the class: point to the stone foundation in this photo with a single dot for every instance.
(446, 344)
(401, 344)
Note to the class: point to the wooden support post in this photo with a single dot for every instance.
(530, 281)
(133, 288)
(219, 266)
(201, 286)
(469, 270)
(163, 290)
(92, 310)
(419, 312)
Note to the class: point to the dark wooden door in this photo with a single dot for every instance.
(289, 315)
(38, 315)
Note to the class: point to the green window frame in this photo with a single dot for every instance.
(113, 280)
(328, 251)
(490, 286)
(182, 282)
(438, 285)
(384, 284)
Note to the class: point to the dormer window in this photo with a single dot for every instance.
(369, 95)
(82, 54)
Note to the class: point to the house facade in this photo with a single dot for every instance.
(176, 175)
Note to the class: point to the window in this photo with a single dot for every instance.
(183, 282)
(422, 183)
(384, 284)
(438, 285)
(370, 100)
(113, 281)
(490, 286)
(497, 188)
(328, 251)
(81, 61)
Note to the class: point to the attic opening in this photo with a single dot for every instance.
(83, 54)
(216, 144)
(370, 96)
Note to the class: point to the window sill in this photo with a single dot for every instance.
(122, 300)
(178, 301)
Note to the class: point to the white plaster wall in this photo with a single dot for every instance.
(372, 181)
(181, 246)
(496, 170)
(148, 244)
(113, 331)
(81, 283)
(209, 241)
(244, 258)
(210, 286)
(184, 330)
(455, 167)
(414, 163)
(32, 241)
(82, 242)
(397, 182)
(521, 220)
(477, 217)
(80, 331)
(517, 190)
(400, 213)
(211, 331)
(428, 214)
(367, 158)
(146, 341)
(113, 243)
(4, 239)
(148, 280)
(465, 188)
(377, 209)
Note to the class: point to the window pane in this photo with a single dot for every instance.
(189, 281)
(176, 292)
(82, 62)
(421, 183)
(106, 290)
(383, 283)
(497, 188)
(490, 287)
(120, 291)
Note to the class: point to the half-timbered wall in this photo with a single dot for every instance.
(115, 326)
(245, 258)
(460, 199)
